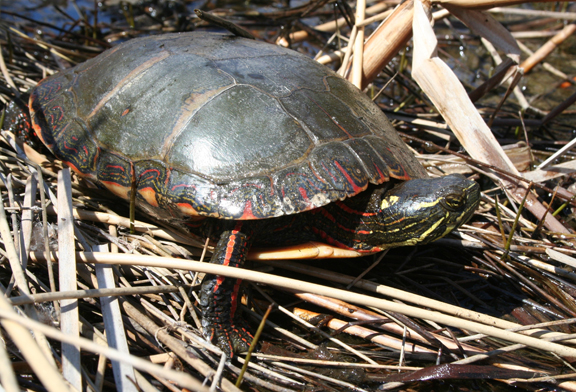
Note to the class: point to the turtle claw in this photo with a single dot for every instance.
(231, 339)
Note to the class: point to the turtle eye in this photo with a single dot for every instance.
(454, 201)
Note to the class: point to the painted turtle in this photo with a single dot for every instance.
(240, 138)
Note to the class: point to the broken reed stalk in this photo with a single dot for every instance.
(167, 241)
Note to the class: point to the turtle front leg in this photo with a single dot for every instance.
(219, 297)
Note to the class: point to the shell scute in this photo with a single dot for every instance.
(253, 199)
(52, 108)
(278, 74)
(193, 194)
(116, 172)
(340, 167)
(300, 189)
(225, 143)
(215, 125)
(325, 117)
(373, 164)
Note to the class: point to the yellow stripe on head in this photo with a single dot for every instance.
(387, 202)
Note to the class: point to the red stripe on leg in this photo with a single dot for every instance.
(229, 249)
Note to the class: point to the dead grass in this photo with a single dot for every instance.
(491, 305)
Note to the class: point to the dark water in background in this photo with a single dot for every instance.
(44, 11)
(62, 13)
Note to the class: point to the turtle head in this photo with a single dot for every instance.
(423, 210)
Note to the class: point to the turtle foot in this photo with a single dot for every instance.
(221, 319)
(232, 338)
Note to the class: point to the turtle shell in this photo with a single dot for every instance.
(214, 125)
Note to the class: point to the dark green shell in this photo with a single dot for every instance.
(215, 125)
